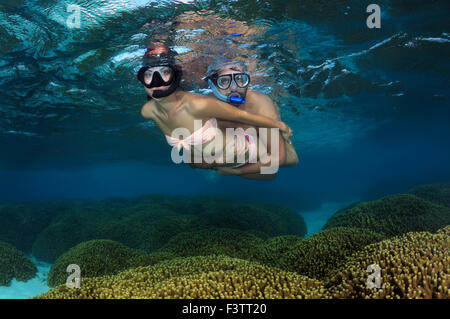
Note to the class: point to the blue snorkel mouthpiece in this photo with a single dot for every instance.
(223, 97)
(236, 99)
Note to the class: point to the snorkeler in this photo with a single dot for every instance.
(229, 83)
(171, 109)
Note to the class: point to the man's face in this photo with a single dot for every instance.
(233, 89)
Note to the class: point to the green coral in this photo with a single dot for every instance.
(154, 257)
(21, 223)
(319, 255)
(14, 264)
(267, 219)
(274, 251)
(96, 258)
(413, 265)
(145, 227)
(229, 242)
(148, 222)
(393, 215)
(436, 193)
(61, 235)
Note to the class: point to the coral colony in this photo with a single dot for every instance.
(211, 247)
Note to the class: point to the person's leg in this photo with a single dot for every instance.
(253, 149)
(291, 160)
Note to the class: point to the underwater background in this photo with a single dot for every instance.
(85, 179)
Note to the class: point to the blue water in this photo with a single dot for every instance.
(369, 107)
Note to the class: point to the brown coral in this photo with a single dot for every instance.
(197, 277)
(414, 265)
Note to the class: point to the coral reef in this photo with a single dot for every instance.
(436, 193)
(21, 223)
(414, 265)
(144, 227)
(393, 215)
(148, 222)
(96, 258)
(211, 247)
(319, 255)
(315, 257)
(64, 233)
(274, 251)
(445, 230)
(267, 219)
(14, 264)
(155, 257)
(229, 242)
(197, 277)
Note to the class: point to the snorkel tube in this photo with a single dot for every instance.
(224, 98)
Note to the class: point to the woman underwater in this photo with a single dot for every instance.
(171, 110)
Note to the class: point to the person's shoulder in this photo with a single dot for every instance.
(185, 99)
(259, 98)
(194, 103)
(264, 103)
(194, 99)
(147, 110)
(193, 96)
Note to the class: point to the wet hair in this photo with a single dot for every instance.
(159, 54)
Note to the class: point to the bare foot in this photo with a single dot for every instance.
(291, 155)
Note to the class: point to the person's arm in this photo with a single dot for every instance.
(288, 156)
(268, 108)
(209, 107)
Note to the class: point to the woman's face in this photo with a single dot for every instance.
(164, 72)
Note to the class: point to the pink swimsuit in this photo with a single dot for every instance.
(207, 133)
(201, 136)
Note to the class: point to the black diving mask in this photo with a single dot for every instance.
(156, 76)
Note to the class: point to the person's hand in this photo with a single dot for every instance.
(286, 132)
(285, 129)
(286, 138)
